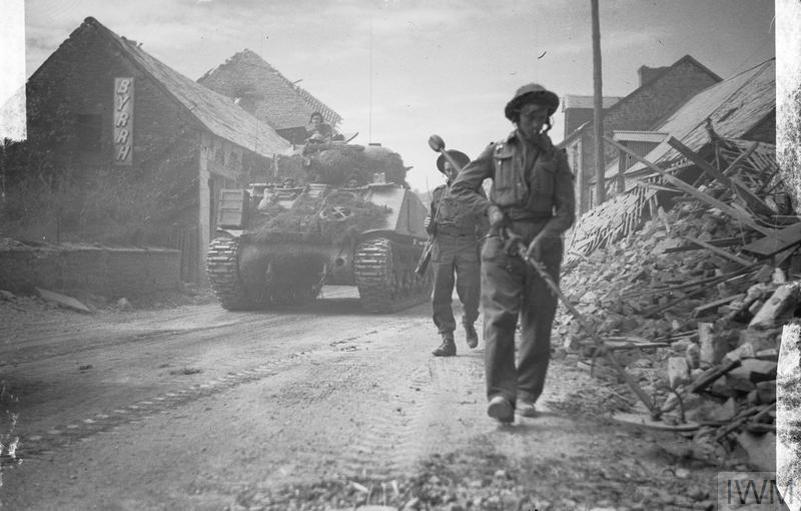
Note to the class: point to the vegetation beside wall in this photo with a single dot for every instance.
(115, 206)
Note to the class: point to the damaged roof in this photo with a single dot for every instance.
(216, 112)
(734, 106)
(265, 92)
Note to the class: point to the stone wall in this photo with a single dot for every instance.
(108, 272)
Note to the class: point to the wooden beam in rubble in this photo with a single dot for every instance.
(678, 183)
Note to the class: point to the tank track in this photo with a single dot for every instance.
(222, 268)
(384, 273)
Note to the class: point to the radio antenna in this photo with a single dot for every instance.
(370, 88)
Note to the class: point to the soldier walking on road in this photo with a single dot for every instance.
(456, 231)
(531, 196)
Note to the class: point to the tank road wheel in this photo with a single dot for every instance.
(222, 267)
(384, 274)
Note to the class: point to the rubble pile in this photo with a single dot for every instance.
(694, 314)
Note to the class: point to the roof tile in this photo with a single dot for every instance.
(266, 93)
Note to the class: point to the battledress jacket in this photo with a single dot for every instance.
(530, 182)
(450, 216)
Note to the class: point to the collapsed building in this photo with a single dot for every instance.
(693, 267)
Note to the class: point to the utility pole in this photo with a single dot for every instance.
(598, 112)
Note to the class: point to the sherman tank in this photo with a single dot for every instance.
(334, 213)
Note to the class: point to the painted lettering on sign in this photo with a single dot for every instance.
(123, 120)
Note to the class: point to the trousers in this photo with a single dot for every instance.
(512, 289)
(454, 259)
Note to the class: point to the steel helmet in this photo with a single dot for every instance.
(458, 156)
(531, 93)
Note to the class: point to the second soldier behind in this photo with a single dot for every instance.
(456, 232)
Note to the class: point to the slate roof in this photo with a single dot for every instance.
(735, 106)
(216, 112)
(271, 97)
(636, 93)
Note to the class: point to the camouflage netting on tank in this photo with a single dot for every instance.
(339, 165)
(337, 217)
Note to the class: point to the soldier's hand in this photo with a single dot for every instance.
(427, 222)
(534, 250)
(495, 216)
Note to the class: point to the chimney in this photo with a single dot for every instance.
(646, 74)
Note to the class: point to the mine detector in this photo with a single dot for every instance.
(278, 242)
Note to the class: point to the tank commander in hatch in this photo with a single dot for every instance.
(318, 131)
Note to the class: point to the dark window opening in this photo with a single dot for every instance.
(88, 131)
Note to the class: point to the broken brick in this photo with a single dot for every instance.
(693, 356)
(678, 371)
(760, 370)
(766, 391)
(759, 339)
(713, 347)
(743, 351)
(768, 354)
(784, 298)
(740, 380)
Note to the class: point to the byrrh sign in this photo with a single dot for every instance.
(123, 120)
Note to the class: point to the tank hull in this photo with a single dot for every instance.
(279, 242)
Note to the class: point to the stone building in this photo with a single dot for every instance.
(660, 92)
(267, 94)
(578, 110)
(102, 106)
(741, 108)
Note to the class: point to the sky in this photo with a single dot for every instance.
(399, 71)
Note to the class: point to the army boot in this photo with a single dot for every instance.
(447, 348)
(471, 336)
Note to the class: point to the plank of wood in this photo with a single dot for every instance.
(733, 165)
(637, 346)
(776, 241)
(721, 242)
(63, 300)
(750, 198)
(647, 422)
(654, 186)
(678, 183)
(713, 305)
(719, 251)
(712, 374)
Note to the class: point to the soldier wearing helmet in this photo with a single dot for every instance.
(531, 196)
(456, 230)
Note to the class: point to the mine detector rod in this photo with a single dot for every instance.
(436, 143)
(515, 242)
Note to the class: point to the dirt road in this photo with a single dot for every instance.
(324, 407)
